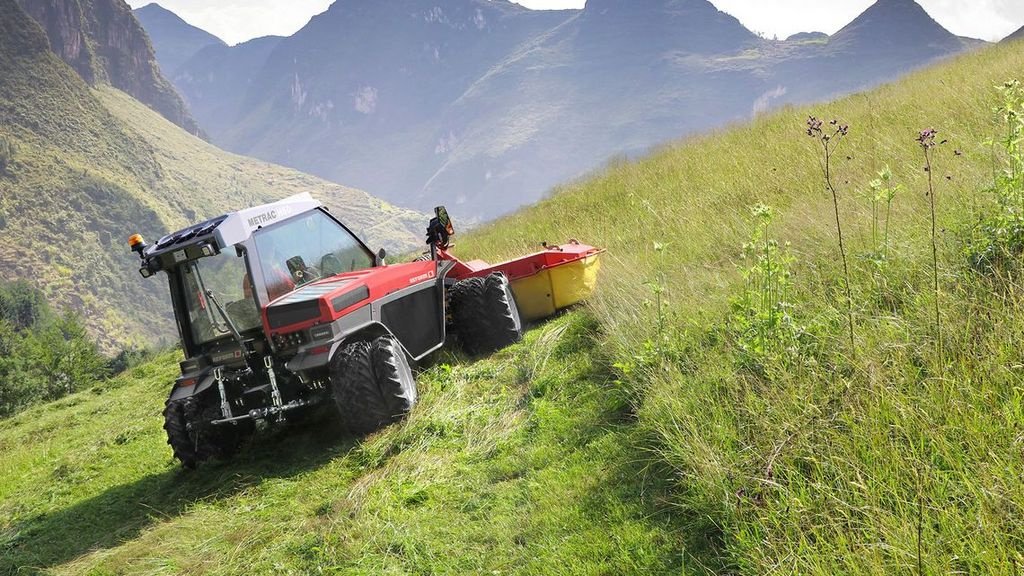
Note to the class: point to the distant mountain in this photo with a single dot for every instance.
(891, 27)
(173, 39)
(105, 44)
(84, 167)
(359, 93)
(217, 79)
(1018, 35)
(616, 78)
(887, 40)
(485, 105)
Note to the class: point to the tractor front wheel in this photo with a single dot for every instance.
(191, 436)
(372, 383)
(484, 314)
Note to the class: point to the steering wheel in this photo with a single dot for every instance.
(330, 265)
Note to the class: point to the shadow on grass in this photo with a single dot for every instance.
(121, 513)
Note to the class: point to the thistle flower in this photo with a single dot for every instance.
(926, 138)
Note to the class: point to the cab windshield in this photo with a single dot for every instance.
(224, 277)
(305, 249)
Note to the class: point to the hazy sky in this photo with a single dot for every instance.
(239, 20)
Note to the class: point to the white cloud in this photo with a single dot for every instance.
(239, 20)
(236, 21)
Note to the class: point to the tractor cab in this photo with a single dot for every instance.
(225, 273)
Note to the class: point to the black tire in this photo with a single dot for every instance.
(484, 314)
(192, 438)
(425, 257)
(373, 384)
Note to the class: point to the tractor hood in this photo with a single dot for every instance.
(328, 300)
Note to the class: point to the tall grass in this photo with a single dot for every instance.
(899, 460)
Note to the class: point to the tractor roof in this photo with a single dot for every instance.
(234, 227)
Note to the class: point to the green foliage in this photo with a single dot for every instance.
(42, 356)
(129, 358)
(1010, 115)
(22, 306)
(881, 191)
(996, 243)
(833, 468)
(766, 333)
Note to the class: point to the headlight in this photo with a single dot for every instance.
(291, 340)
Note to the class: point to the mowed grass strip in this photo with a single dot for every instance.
(523, 463)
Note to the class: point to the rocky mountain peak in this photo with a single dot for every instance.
(104, 43)
(694, 26)
(889, 24)
(174, 39)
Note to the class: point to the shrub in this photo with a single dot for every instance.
(42, 356)
(996, 244)
(22, 305)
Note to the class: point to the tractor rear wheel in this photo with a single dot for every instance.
(372, 383)
(191, 436)
(484, 314)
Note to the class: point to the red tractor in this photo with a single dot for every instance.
(281, 308)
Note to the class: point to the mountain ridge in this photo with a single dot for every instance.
(895, 24)
(178, 41)
(538, 104)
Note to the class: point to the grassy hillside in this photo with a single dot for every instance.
(631, 437)
(820, 459)
(81, 169)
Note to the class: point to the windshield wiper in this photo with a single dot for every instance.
(203, 290)
(227, 319)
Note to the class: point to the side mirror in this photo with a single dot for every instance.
(440, 230)
(444, 220)
(381, 255)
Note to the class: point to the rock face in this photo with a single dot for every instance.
(173, 39)
(104, 43)
(216, 80)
